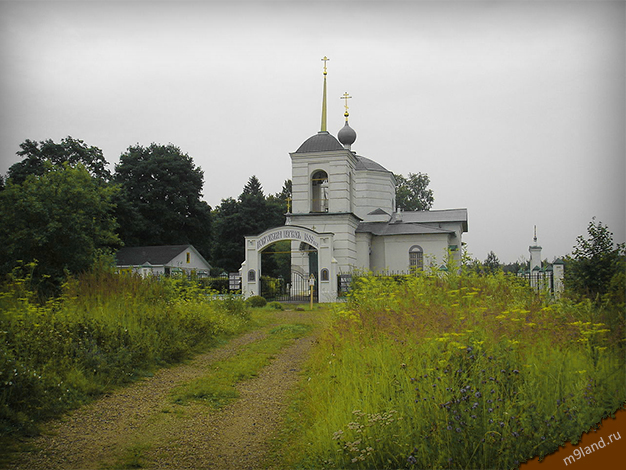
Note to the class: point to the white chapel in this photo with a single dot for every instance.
(344, 218)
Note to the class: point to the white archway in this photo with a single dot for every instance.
(251, 268)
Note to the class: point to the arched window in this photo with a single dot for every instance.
(324, 275)
(416, 258)
(251, 276)
(319, 191)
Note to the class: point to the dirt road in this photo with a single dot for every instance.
(139, 426)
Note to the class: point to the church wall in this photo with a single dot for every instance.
(300, 187)
(376, 190)
(391, 253)
(377, 257)
(363, 248)
(339, 186)
(343, 226)
(337, 165)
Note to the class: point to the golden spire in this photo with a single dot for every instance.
(323, 129)
(346, 97)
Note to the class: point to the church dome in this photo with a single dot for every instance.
(347, 135)
(320, 142)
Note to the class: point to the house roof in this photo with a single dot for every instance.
(155, 255)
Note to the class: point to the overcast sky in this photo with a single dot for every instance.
(515, 110)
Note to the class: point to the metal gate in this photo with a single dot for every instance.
(295, 291)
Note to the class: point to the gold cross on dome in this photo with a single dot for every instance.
(346, 97)
(325, 59)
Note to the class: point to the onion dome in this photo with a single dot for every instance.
(346, 135)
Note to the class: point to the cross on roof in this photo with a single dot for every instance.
(346, 97)
(325, 59)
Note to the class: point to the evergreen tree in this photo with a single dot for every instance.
(596, 266)
(492, 263)
(251, 214)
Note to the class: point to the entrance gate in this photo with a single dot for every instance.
(324, 269)
(298, 290)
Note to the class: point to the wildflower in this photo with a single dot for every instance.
(412, 460)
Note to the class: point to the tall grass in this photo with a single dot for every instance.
(104, 330)
(455, 372)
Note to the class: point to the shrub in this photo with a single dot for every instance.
(275, 306)
(256, 301)
(104, 330)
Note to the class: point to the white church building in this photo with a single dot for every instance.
(344, 218)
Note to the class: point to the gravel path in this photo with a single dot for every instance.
(138, 425)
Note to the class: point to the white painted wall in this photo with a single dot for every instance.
(374, 190)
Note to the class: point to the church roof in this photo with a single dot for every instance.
(363, 163)
(436, 216)
(384, 228)
(416, 222)
(378, 211)
(321, 142)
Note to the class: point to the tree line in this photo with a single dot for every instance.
(62, 207)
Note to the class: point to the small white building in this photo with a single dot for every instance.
(344, 218)
(164, 260)
(549, 278)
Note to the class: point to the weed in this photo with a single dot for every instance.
(104, 330)
(453, 371)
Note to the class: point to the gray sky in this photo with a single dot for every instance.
(515, 110)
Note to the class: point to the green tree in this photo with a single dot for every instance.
(251, 214)
(228, 246)
(492, 263)
(62, 219)
(285, 192)
(412, 193)
(596, 266)
(71, 151)
(160, 199)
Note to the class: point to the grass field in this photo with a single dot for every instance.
(461, 372)
(103, 331)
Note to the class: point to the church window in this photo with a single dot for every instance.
(189, 257)
(324, 275)
(319, 191)
(416, 258)
(251, 276)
